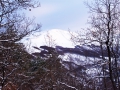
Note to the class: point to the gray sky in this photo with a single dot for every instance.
(61, 14)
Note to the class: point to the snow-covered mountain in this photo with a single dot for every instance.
(60, 40)
(82, 61)
(53, 37)
(86, 57)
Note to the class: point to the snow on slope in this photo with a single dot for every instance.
(50, 38)
(62, 38)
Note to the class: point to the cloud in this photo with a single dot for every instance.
(60, 14)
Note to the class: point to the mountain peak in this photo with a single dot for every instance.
(53, 37)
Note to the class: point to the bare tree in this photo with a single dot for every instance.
(14, 26)
(105, 29)
(12, 20)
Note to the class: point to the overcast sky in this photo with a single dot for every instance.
(61, 14)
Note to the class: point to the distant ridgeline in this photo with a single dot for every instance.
(84, 50)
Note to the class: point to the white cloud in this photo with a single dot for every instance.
(60, 14)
